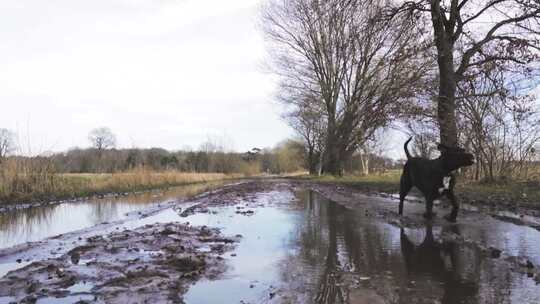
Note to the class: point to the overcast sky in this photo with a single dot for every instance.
(165, 73)
(159, 73)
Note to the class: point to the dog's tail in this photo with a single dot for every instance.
(405, 148)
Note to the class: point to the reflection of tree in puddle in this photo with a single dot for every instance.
(330, 290)
(337, 254)
(24, 221)
(316, 271)
(104, 211)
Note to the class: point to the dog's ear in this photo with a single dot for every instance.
(446, 149)
(442, 148)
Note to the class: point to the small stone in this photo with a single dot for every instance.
(29, 299)
(495, 253)
(60, 272)
(75, 257)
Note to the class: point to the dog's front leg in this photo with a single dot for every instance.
(455, 206)
(429, 208)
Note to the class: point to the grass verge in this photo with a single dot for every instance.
(523, 193)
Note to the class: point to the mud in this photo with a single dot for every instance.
(154, 263)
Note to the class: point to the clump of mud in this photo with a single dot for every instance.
(153, 263)
(245, 193)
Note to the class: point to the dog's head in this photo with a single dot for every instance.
(455, 157)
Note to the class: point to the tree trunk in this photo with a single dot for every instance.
(320, 164)
(364, 159)
(333, 163)
(312, 162)
(446, 109)
(490, 175)
(446, 101)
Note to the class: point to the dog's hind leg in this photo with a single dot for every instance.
(405, 186)
(455, 207)
(429, 208)
(452, 197)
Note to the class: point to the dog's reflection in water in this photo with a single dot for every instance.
(441, 262)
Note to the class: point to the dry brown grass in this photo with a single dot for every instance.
(31, 180)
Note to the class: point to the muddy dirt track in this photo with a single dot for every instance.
(279, 241)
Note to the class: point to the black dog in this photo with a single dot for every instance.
(433, 177)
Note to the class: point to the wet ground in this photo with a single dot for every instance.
(281, 242)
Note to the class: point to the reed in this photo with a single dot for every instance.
(24, 180)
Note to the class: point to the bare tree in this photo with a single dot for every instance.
(373, 146)
(501, 125)
(425, 136)
(311, 52)
(384, 69)
(309, 124)
(102, 138)
(469, 34)
(7, 143)
(355, 65)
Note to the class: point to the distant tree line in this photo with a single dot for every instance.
(283, 158)
(211, 157)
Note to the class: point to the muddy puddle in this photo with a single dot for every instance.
(293, 245)
(37, 223)
(317, 251)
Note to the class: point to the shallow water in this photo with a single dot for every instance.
(34, 224)
(317, 251)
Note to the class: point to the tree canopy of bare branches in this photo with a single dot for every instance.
(344, 62)
(472, 35)
(102, 138)
(500, 126)
(311, 127)
(7, 142)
